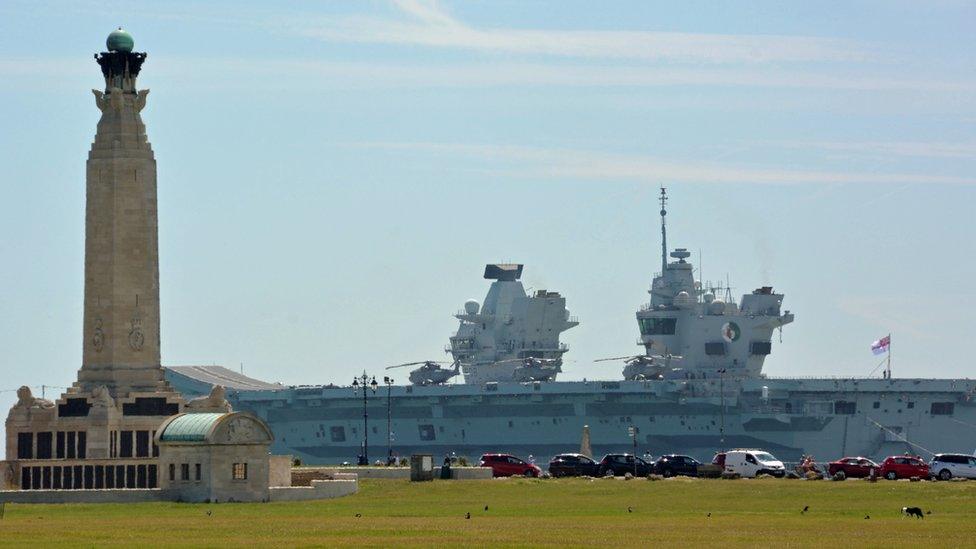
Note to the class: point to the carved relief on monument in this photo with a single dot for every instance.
(98, 336)
(136, 337)
(242, 429)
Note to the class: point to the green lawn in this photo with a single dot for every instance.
(530, 512)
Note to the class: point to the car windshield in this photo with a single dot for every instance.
(763, 456)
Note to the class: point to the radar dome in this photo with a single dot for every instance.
(119, 40)
(716, 307)
(682, 299)
(471, 307)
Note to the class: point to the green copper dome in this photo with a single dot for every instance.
(119, 40)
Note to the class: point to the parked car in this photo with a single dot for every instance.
(896, 467)
(505, 465)
(573, 465)
(621, 464)
(674, 464)
(853, 467)
(719, 460)
(752, 463)
(946, 466)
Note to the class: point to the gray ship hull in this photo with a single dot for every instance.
(828, 418)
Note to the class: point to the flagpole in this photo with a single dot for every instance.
(889, 355)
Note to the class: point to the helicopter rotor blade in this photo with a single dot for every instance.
(630, 357)
(416, 363)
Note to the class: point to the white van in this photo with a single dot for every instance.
(751, 463)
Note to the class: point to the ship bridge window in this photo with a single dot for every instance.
(426, 432)
(760, 348)
(338, 433)
(943, 408)
(842, 407)
(715, 348)
(657, 326)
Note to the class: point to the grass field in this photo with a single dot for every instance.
(531, 512)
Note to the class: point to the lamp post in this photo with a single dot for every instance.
(356, 385)
(721, 390)
(389, 419)
(632, 431)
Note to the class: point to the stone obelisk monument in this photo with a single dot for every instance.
(121, 326)
(121, 397)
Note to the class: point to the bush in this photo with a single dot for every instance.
(404, 462)
(653, 477)
(463, 461)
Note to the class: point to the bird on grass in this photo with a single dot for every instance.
(866, 517)
(467, 515)
(630, 509)
(209, 513)
(486, 507)
(805, 509)
(358, 515)
(708, 515)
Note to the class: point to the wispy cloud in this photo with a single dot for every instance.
(337, 75)
(888, 148)
(428, 24)
(552, 163)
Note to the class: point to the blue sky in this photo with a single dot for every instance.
(334, 176)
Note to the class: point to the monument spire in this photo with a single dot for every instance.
(121, 324)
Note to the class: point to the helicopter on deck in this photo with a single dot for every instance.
(642, 367)
(534, 369)
(430, 373)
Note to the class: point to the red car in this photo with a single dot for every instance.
(853, 467)
(505, 465)
(896, 467)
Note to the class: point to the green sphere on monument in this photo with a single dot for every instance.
(119, 40)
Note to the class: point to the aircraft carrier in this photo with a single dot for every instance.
(698, 388)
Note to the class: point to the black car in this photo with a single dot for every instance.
(674, 464)
(573, 465)
(621, 464)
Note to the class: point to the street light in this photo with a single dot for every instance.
(356, 385)
(632, 431)
(721, 390)
(389, 420)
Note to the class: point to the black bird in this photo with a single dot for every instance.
(805, 508)
(467, 515)
(866, 517)
(209, 513)
(486, 507)
(630, 509)
(358, 515)
(709, 515)
(928, 512)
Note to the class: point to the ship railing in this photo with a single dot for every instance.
(823, 377)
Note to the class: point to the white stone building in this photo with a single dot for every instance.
(214, 457)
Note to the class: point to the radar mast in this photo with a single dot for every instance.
(664, 232)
